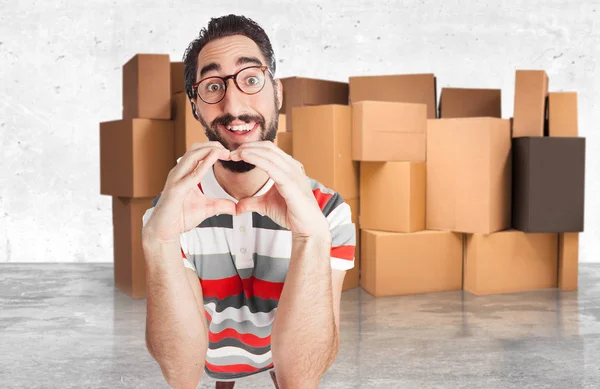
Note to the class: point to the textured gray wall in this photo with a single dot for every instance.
(60, 76)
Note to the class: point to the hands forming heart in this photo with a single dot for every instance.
(290, 202)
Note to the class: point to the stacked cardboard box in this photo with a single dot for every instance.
(138, 151)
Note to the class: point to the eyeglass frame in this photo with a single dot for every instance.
(234, 77)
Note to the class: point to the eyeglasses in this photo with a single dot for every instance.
(250, 81)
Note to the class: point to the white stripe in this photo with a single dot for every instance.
(210, 240)
(273, 243)
(188, 264)
(340, 215)
(341, 264)
(238, 352)
(259, 319)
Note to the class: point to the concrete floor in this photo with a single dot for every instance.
(65, 326)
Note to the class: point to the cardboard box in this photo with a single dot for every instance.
(468, 175)
(301, 92)
(281, 123)
(510, 261)
(388, 131)
(402, 88)
(562, 114)
(129, 262)
(136, 156)
(409, 263)
(548, 184)
(530, 103)
(464, 102)
(392, 196)
(285, 141)
(177, 78)
(147, 87)
(568, 261)
(188, 130)
(353, 275)
(322, 143)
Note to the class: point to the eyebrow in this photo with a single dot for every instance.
(213, 66)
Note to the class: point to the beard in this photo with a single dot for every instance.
(266, 134)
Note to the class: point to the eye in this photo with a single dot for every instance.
(213, 87)
(252, 80)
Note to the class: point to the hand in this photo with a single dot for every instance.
(290, 202)
(182, 206)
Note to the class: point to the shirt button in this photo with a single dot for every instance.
(243, 229)
(242, 250)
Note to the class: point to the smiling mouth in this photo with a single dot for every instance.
(240, 129)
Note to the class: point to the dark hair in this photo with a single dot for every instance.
(222, 27)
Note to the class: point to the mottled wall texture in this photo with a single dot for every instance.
(61, 64)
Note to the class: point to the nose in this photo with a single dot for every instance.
(234, 100)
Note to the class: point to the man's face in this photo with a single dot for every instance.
(259, 111)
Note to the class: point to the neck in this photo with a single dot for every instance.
(240, 185)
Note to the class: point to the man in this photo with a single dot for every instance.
(264, 247)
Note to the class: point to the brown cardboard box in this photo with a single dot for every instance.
(531, 93)
(285, 141)
(353, 275)
(388, 131)
(322, 143)
(402, 88)
(548, 184)
(468, 175)
(177, 78)
(568, 260)
(188, 130)
(408, 263)
(301, 92)
(129, 262)
(281, 123)
(147, 87)
(510, 261)
(136, 156)
(392, 196)
(464, 102)
(562, 114)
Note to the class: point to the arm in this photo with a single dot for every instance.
(176, 329)
(304, 319)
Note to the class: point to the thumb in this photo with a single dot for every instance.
(252, 204)
(217, 206)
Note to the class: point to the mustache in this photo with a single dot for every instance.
(226, 119)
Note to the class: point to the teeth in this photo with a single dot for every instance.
(244, 127)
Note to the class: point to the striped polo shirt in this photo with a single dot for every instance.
(241, 262)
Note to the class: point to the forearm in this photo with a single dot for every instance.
(305, 319)
(175, 329)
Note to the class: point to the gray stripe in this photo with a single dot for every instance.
(343, 235)
(246, 327)
(247, 273)
(265, 222)
(226, 376)
(155, 201)
(271, 269)
(237, 359)
(255, 304)
(214, 266)
(231, 342)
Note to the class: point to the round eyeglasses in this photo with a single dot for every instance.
(250, 81)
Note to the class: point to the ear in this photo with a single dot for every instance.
(279, 91)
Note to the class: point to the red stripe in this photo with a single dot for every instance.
(343, 252)
(322, 198)
(254, 287)
(241, 368)
(248, 339)
(222, 288)
(200, 187)
(183, 254)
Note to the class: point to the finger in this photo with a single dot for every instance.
(266, 153)
(252, 204)
(219, 206)
(191, 159)
(267, 145)
(196, 176)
